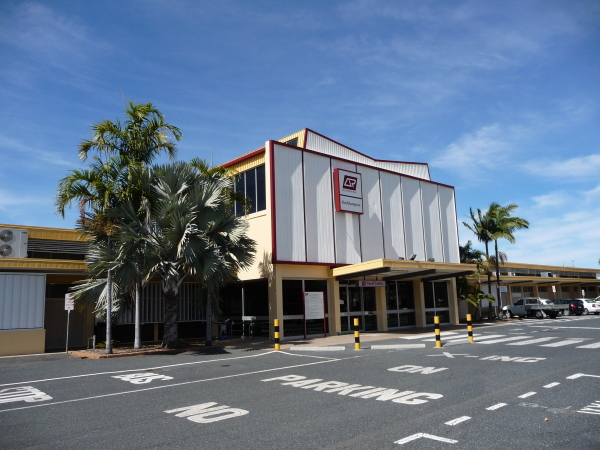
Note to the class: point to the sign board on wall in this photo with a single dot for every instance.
(313, 305)
(69, 302)
(371, 283)
(348, 191)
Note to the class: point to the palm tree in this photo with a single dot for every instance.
(187, 231)
(126, 148)
(482, 227)
(504, 226)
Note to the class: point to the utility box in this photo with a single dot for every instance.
(13, 243)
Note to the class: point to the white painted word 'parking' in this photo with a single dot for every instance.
(23, 394)
(142, 378)
(208, 412)
(341, 388)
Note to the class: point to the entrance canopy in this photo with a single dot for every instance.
(392, 270)
(549, 281)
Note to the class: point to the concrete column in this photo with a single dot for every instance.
(381, 309)
(333, 287)
(453, 301)
(419, 293)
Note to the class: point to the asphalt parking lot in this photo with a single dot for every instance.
(523, 384)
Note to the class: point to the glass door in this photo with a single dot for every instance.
(357, 303)
(436, 301)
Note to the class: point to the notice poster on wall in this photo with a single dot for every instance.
(313, 305)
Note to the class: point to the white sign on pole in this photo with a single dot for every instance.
(554, 289)
(583, 293)
(313, 305)
(69, 302)
(503, 288)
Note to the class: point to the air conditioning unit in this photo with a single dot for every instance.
(546, 274)
(13, 243)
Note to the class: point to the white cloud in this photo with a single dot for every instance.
(326, 81)
(550, 200)
(574, 169)
(16, 150)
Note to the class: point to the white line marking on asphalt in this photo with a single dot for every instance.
(568, 328)
(456, 338)
(332, 348)
(398, 346)
(529, 394)
(457, 421)
(594, 345)
(496, 406)
(578, 375)
(514, 338)
(426, 436)
(563, 343)
(533, 341)
(114, 394)
(138, 370)
(551, 385)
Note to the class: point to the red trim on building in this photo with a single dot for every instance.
(244, 157)
(301, 263)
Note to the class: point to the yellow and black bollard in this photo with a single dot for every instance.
(436, 321)
(276, 334)
(356, 335)
(470, 328)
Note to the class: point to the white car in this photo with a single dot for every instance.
(591, 305)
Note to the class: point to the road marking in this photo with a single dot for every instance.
(460, 338)
(426, 436)
(425, 335)
(396, 346)
(533, 341)
(114, 394)
(563, 343)
(457, 421)
(496, 406)
(594, 345)
(513, 338)
(202, 413)
(23, 394)
(551, 385)
(142, 378)
(528, 394)
(568, 328)
(417, 369)
(138, 370)
(578, 375)
(318, 349)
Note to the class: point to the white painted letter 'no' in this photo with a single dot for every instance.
(207, 412)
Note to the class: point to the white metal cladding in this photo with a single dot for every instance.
(326, 146)
(289, 204)
(431, 222)
(153, 305)
(22, 299)
(449, 225)
(413, 218)
(347, 228)
(393, 219)
(371, 221)
(318, 208)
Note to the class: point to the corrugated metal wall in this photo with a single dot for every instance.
(289, 195)
(371, 221)
(431, 222)
(393, 219)
(328, 147)
(319, 208)
(22, 299)
(402, 216)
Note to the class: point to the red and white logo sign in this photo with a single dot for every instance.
(350, 182)
(348, 191)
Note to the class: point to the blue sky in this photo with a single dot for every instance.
(501, 99)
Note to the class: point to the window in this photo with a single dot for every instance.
(252, 185)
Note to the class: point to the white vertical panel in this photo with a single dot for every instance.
(22, 298)
(413, 218)
(319, 209)
(289, 204)
(431, 222)
(347, 235)
(449, 225)
(371, 221)
(393, 220)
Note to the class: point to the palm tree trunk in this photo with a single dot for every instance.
(170, 336)
(138, 294)
(498, 298)
(109, 313)
(208, 341)
(489, 282)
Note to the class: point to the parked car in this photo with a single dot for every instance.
(575, 306)
(534, 307)
(590, 305)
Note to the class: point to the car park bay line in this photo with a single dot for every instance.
(512, 338)
(594, 345)
(533, 341)
(184, 383)
(565, 342)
